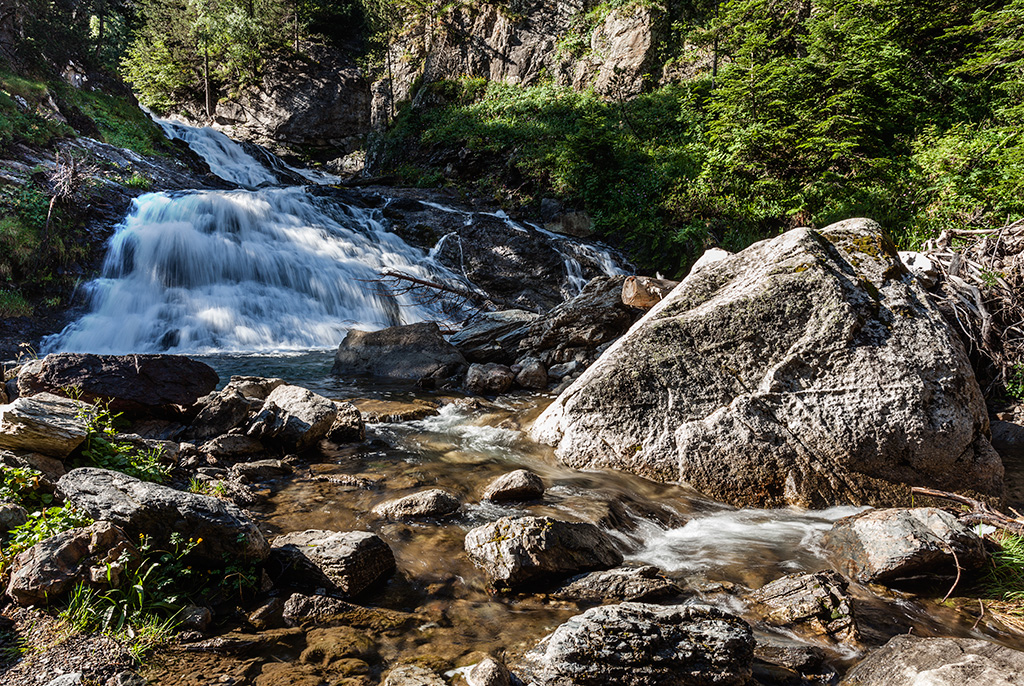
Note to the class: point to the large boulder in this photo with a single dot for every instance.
(415, 351)
(223, 531)
(636, 644)
(809, 369)
(135, 385)
(914, 661)
(352, 560)
(889, 546)
(219, 413)
(293, 418)
(45, 423)
(519, 551)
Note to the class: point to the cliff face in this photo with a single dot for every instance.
(616, 53)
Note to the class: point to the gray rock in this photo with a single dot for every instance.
(140, 507)
(126, 679)
(493, 336)
(641, 584)
(518, 485)
(636, 644)
(532, 374)
(50, 467)
(220, 413)
(253, 387)
(134, 385)
(889, 546)
(815, 604)
(558, 371)
(232, 445)
(11, 515)
(261, 469)
(45, 423)
(348, 426)
(50, 568)
(69, 679)
(195, 618)
(713, 386)
(914, 661)
(517, 551)
(489, 672)
(488, 379)
(293, 419)
(435, 502)
(352, 560)
(415, 351)
(412, 675)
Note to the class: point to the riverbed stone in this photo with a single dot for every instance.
(45, 423)
(300, 609)
(233, 445)
(50, 568)
(412, 675)
(259, 470)
(916, 661)
(814, 604)
(376, 411)
(810, 369)
(435, 502)
(293, 419)
(519, 485)
(519, 551)
(253, 387)
(142, 508)
(532, 374)
(638, 644)
(641, 584)
(890, 546)
(488, 379)
(348, 425)
(414, 351)
(134, 385)
(352, 560)
(488, 672)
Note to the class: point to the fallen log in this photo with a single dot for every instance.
(645, 292)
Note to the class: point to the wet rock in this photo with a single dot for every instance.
(260, 470)
(139, 507)
(519, 485)
(913, 661)
(489, 672)
(11, 515)
(488, 379)
(815, 604)
(892, 545)
(517, 551)
(380, 411)
(636, 644)
(641, 584)
(269, 615)
(293, 418)
(325, 646)
(493, 336)
(320, 609)
(710, 387)
(135, 385)
(348, 426)
(45, 423)
(221, 412)
(352, 560)
(435, 502)
(195, 618)
(412, 675)
(792, 664)
(53, 566)
(415, 351)
(532, 374)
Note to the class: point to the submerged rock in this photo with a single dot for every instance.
(815, 604)
(45, 423)
(435, 502)
(913, 661)
(808, 369)
(415, 351)
(352, 560)
(223, 531)
(636, 644)
(136, 385)
(889, 546)
(518, 551)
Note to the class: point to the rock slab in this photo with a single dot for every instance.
(809, 369)
(815, 604)
(914, 661)
(44, 423)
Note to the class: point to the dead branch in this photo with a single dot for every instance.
(981, 512)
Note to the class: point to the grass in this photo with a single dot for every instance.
(13, 304)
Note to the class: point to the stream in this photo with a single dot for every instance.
(267, 279)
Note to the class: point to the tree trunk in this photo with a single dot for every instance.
(645, 292)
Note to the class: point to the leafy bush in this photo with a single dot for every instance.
(20, 485)
(102, 449)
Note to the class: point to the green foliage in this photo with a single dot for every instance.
(21, 485)
(102, 449)
(1004, 577)
(1015, 383)
(40, 526)
(12, 303)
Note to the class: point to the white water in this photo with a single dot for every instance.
(227, 159)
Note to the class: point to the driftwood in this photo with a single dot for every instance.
(645, 292)
(980, 513)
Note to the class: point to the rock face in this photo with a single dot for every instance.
(415, 351)
(808, 369)
(45, 423)
(139, 507)
(52, 567)
(293, 418)
(435, 502)
(352, 560)
(519, 551)
(517, 485)
(816, 604)
(636, 644)
(136, 385)
(887, 546)
(913, 661)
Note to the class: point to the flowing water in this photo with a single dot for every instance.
(265, 280)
